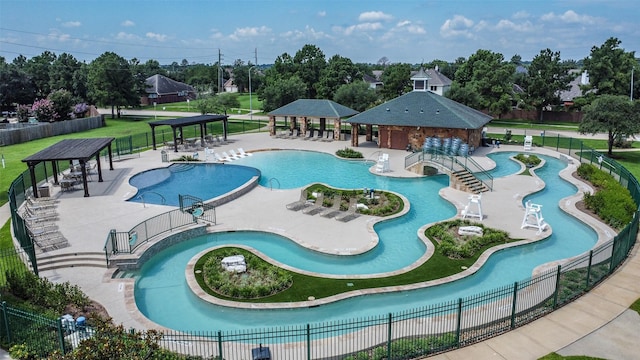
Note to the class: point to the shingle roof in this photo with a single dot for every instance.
(437, 79)
(423, 108)
(318, 108)
(162, 85)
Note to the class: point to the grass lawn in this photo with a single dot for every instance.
(528, 124)
(192, 106)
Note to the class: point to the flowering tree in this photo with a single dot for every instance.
(63, 102)
(43, 110)
(80, 110)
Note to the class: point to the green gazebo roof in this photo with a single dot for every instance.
(316, 108)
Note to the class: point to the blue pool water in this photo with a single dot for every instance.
(205, 181)
(161, 287)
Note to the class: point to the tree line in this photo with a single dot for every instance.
(484, 81)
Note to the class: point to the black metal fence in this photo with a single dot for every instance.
(403, 335)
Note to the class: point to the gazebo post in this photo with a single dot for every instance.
(32, 175)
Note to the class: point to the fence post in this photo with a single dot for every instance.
(308, 342)
(389, 336)
(220, 345)
(459, 322)
(614, 248)
(558, 143)
(6, 321)
(555, 293)
(60, 334)
(513, 305)
(589, 268)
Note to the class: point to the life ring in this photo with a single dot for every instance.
(197, 212)
(133, 237)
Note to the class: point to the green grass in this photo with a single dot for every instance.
(192, 106)
(528, 124)
(554, 356)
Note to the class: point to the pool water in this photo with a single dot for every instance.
(161, 287)
(206, 181)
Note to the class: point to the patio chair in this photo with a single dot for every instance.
(351, 213)
(235, 155)
(39, 212)
(227, 157)
(241, 152)
(317, 207)
(302, 203)
(35, 205)
(218, 157)
(334, 209)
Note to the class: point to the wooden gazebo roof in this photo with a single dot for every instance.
(81, 150)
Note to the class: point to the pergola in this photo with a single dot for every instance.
(179, 123)
(81, 150)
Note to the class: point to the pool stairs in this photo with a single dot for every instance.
(70, 260)
(464, 180)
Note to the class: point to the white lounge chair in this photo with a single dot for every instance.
(241, 151)
(218, 157)
(234, 154)
(227, 157)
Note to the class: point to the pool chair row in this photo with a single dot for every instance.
(231, 155)
(316, 206)
(40, 219)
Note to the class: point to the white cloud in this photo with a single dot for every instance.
(569, 16)
(72, 24)
(372, 16)
(521, 15)
(364, 27)
(403, 23)
(126, 36)
(459, 26)
(249, 32)
(158, 37)
(322, 13)
(308, 34)
(511, 26)
(128, 23)
(410, 28)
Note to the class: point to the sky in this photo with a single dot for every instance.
(365, 31)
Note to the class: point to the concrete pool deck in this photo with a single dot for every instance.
(85, 222)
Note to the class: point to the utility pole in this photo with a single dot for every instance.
(631, 96)
(220, 77)
(255, 55)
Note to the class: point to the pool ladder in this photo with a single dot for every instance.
(141, 196)
(271, 183)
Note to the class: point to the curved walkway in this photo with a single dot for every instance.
(574, 329)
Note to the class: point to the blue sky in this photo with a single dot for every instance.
(409, 31)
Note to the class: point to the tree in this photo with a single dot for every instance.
(220, 103)
(280, 92)
(339, 71)
(39, 68)
(546, 78)
(396, 81)
(309, 63)
(614, 114)
(62, 73)
(487, 74)
(63, 103)
(15, 86)
(356, 95)
(609, 68)
(111, 82)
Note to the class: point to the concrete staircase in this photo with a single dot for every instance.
(67, 260)
(466, 181)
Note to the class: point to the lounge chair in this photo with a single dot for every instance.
(29, 211)
(300, 204)
(37, 205)
(351, 213)
(234, 154)
(317, 207)
(218, 157)
(334, 209)
(227, 157)
(242, 153)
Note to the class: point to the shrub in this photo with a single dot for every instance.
(612, 202)
(80, 110)
(44, 110)
(349, 153)
(62, 102)
(529, 160)
(23, 112)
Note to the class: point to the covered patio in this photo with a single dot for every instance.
(80, 150)
(298, 117)
(178, 123)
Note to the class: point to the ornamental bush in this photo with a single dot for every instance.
(349, 153)
(44, 110)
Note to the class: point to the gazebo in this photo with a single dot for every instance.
(178, 123)
(405, 122)
(81, 150)
(306, 110)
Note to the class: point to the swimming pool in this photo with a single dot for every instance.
(205, 181)
(162, 286)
